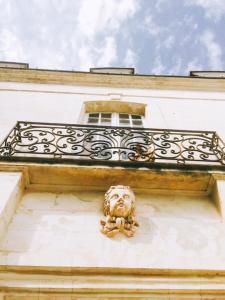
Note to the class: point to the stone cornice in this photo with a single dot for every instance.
(111, 80)
(101, 281)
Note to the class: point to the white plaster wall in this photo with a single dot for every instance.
(11, 188)
(63, 230)
(56, 103)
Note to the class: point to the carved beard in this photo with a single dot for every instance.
(120, 211)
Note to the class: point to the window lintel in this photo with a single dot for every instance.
(115, 106)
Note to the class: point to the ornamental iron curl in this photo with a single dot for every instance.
(29, 140)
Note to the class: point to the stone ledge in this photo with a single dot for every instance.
(73, 176)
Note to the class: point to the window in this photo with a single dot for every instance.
(130, 120)
(100, 118)
(109, 143)
(114, 145)
(115, 119)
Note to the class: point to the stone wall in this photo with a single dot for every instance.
(65, 104)
(62, 229)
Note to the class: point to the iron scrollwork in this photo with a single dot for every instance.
(86, 142)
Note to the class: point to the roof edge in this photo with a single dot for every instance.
(62, 77)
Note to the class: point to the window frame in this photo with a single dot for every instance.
(115, 119)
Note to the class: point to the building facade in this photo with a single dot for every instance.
(66, 138)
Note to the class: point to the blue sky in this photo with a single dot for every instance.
(162, 37)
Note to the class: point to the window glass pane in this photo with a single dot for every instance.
(106, 115)
(124, 121)
(136, 117)
(106, 118)
(121, 119)
(93, 120)
(137, 123)
(124, 116)
(94, 115)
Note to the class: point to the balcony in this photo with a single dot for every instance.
(104, 145)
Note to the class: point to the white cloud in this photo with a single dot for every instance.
(161, 68)
(169, 41)
(93, 56)
(11, 46)
(5, 6)
(160, 4)
(214, 51)
(193, 65)
(158, 67)
(99, 15)
(130, 59)
(190, 21)
(151, 27)
(214, 9)
(51, 59)
(76, 34)
(108, 54)
(79, 34)
(175, 70)
(60, 5)
(85, 56)
(103, 17)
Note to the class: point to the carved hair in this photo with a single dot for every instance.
(106, 205)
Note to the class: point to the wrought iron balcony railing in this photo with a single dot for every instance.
(61, 143)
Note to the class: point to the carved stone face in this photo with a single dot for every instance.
(118, 207)
(121, 202)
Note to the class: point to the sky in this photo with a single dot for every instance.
(161, 37)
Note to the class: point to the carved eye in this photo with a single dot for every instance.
(115, 196)
(126, 196)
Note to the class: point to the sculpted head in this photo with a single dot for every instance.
(119, 201)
